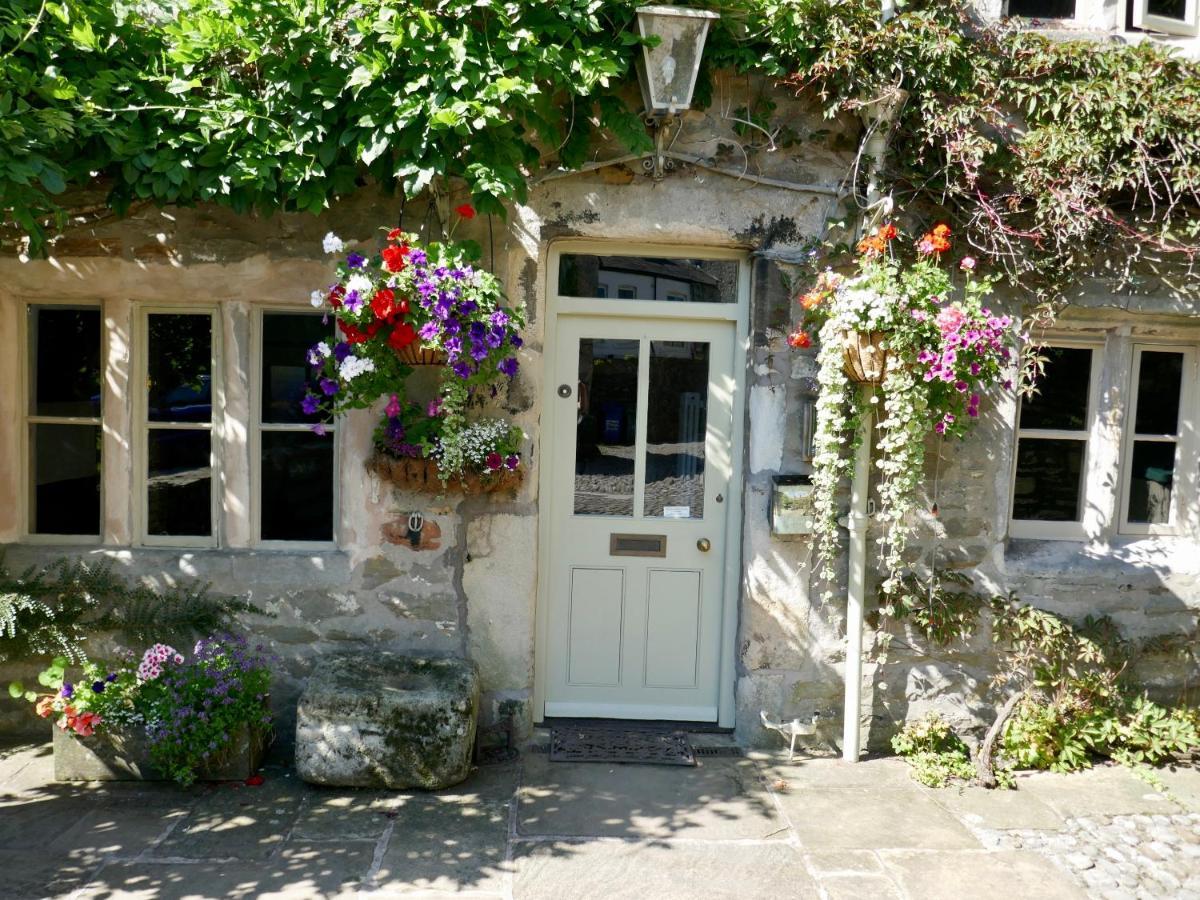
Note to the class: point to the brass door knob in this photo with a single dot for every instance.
(704, 545)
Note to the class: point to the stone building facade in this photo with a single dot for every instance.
(478, 579)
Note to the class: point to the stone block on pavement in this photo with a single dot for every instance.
(387, 720)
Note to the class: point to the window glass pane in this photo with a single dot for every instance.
(676, 422)
(179, 376)
(64, 379)
(297, 486)
(66, 479)
(1170, 9)
(1150, 479)
(1049, 480)
(1160, 379)
(1042, 9)
(287, 338)
(648, 278)
(606, 427)
(180, 482)
(1062, 397)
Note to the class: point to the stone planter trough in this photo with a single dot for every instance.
(126, 757)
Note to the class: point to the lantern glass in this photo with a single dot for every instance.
(668, 71)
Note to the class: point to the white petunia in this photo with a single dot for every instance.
(352, 367)
(316, 298)
(360, 284)
(333, 243)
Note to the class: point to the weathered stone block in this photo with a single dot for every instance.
(386, 720)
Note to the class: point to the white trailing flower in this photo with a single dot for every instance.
(353, 366)
(470, 447)
(317, 298)
(360, 283)
(333, 244)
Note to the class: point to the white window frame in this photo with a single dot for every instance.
(142, 427)
(28, 418)
(257, 427)
(1077, 529)
(1189, 25)
(1184, 481)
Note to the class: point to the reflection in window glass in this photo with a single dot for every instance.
(297, 486)
(606, 427)
(179, 485)
(676, 424)
(1042, 9)
(648, 278)
(66, 479)
(65, 352)
(1160, 379)
(1150, 480)
(179, 379)
(287, 338)
(1062, 398)
(1049, 480)
(1168, 9)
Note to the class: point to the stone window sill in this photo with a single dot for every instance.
(1160, 555)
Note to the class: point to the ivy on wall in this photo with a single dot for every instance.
(1043, 153)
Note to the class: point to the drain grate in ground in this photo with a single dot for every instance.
(719, 751)
(618, 745)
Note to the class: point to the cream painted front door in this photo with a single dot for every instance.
(642, 464)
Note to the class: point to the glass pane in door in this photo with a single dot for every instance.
(676, 424)
(606, 426)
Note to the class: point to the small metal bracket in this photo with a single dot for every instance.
(416, 522)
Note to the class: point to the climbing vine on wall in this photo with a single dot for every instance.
(1042, 152)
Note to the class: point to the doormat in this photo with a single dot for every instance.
(619, 745)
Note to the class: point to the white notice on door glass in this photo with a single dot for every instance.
(677, 512)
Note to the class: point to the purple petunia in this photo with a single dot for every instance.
(341, 350)
(356, 261)
(68, 690)
(461, 369)
(452, 326)
(329, 386)
(353, 302)
(98, 687)
(515, 340)
(418, 258)
(509, 366)
(478, 351)
(310, 404)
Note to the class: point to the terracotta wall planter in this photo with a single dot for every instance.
(115, 756)
(422, 475)
(866, 361)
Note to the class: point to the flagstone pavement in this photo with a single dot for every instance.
(732, 827)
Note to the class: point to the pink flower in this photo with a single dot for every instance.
(393, 408)
(494, 461)
(950, 319)
(967, 264)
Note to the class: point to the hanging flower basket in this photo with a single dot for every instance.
(418, 474)
(866, 359)
(415, 355)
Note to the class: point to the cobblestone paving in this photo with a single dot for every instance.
(1124, 857)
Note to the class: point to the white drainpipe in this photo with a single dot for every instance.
(856, 524)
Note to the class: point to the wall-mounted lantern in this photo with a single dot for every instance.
(667, 72)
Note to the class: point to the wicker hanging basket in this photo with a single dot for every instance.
(422, 475)
(415, 355)
(866, 360)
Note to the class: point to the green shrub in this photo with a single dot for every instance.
(937, 755)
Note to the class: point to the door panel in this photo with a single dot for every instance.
(641, 463)
(597, 607)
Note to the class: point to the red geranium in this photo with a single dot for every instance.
(383, 304)
(799, 340)
(467, 211)
(394, 233)
(336, 295)
(353, 335)
(393, 257)
(402, 336)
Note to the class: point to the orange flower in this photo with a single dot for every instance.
(872, 245)
(811, 299)
(941, 229)
(887, 231)
(799, 340)
(45, 707)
